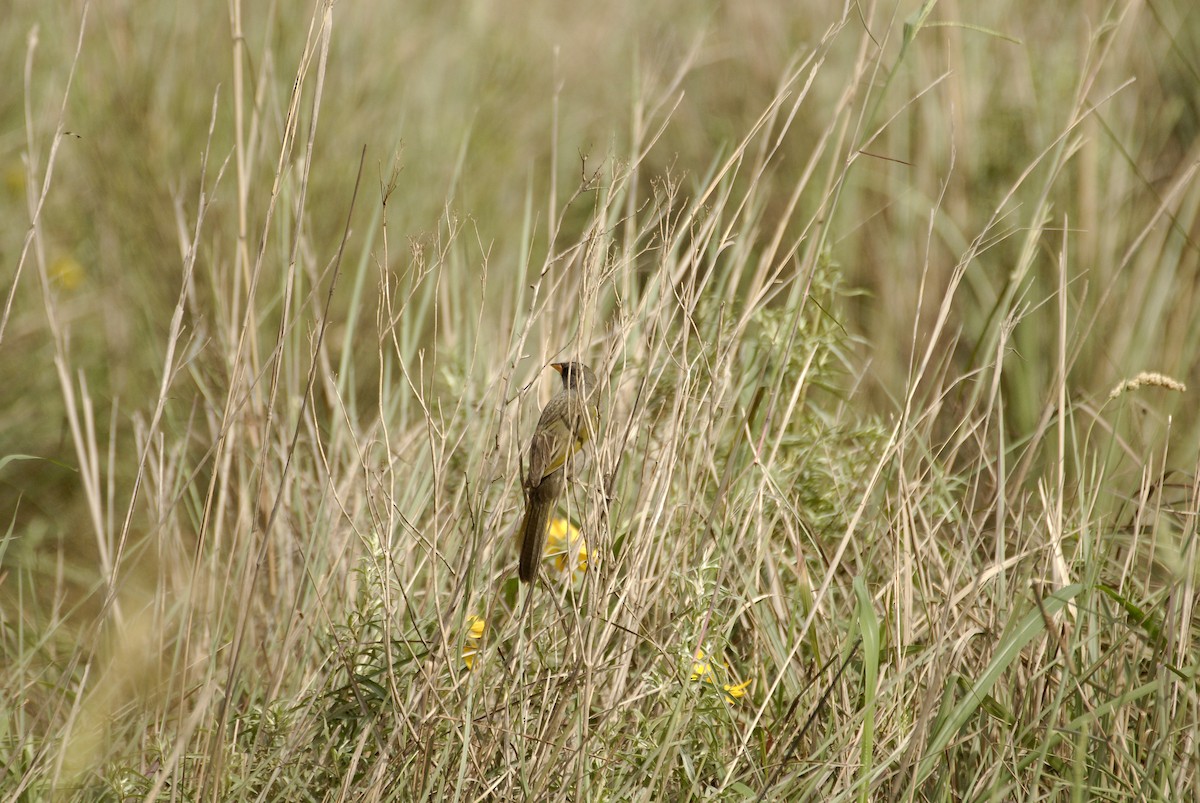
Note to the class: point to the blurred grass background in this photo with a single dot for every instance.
(1012, 192)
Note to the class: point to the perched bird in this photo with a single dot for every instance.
(568, 421)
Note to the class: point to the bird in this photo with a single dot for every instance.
(568, 421)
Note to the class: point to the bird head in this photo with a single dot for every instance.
(575, 375)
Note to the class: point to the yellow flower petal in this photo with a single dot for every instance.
(475, 626)
(567, 547)
(701, 670)
(737, 691)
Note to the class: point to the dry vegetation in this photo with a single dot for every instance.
(895, 306)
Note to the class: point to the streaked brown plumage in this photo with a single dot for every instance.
(568, 421)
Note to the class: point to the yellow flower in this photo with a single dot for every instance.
(702, 671)
(66, 272)
(14, 178)
(737, 691)
(568, 547)
(475, 627)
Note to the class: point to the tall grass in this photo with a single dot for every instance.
(895, 494)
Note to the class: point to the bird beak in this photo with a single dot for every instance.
(558, 366)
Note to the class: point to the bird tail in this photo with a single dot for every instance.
(539, 504)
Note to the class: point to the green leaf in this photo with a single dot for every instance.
(914, 24)
(4, 461)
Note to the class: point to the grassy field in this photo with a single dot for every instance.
(895, 310)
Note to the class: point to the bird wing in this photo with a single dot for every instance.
(554, 440)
